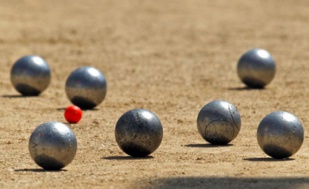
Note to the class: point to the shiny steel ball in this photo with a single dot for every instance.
(30, 75)
(256, 68)
(280, 134)
(219, 122)
(52, 145)
(86, 87)
(138, 132)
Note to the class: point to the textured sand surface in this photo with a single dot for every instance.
(171, 57)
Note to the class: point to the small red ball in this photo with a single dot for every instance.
(73, 114)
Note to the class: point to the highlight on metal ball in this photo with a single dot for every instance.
(86, 87)
(256, 68)
(219, 122)
(52, 145)
(280, 134)
(138, 132)
(30, 75)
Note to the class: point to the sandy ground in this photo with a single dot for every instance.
(171, 57)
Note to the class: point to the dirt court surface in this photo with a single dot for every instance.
(171, 57)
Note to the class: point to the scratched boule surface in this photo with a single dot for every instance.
(170, 57)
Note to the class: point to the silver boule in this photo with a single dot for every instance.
(52, 145)
(256, 68)
(138, 132)
(30, 75)
(280, 134)
(219, 122)
(86, 87)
